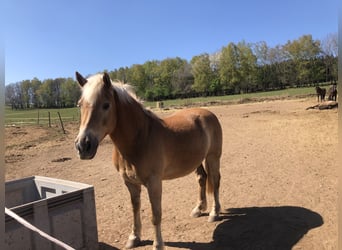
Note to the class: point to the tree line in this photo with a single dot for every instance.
(237, 68)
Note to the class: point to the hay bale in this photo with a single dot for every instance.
(160, 105)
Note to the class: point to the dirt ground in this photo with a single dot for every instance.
(278, 184)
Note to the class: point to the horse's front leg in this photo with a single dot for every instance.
(135, 237)
(154, 188)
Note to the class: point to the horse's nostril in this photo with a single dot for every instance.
(79, 147)
(87, 145)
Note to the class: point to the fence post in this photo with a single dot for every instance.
(60, 119)
(38, 117)
(49, 119)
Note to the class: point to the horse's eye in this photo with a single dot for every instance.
(105, 106)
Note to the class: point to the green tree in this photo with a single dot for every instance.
(138, 79)
(229, 67)
(263, 69)
(35, 85)
(247, 67)
(46, 93)
(182, 79)
(120, 74)
(302, 52)
(70, 93)
(25, 93)
(151, 72)
(283, 71)
(168, 75)
(237, 68)
(202, 73)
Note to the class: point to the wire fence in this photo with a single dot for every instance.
(41, 117)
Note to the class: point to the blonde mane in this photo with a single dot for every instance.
(91, 90)
(125, 91)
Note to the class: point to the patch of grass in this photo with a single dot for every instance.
(30, 116)
(39, 116)
(284, 93)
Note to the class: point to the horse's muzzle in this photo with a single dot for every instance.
(86, 146)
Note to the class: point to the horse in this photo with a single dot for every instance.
(332, 93)
(320, 93)
(148, 149)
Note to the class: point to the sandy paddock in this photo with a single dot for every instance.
(278, 185)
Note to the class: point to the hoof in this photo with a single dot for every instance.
(196, 213)
(132, 242)
(213, 218)
(158, 247)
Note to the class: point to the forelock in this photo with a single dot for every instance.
(91, 90)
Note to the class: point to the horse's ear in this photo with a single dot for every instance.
(107, 81)
(80, 79)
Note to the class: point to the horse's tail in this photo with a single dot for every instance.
(212, 160)
(210, 183)
(209, 180)
(212, 168)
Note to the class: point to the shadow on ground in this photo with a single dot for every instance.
(104, 246)
(258, 228)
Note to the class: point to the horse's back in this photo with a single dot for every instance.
(192, 135)
(195, 120)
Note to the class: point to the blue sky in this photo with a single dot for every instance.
(50, 39)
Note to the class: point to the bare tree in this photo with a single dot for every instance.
(329, 45)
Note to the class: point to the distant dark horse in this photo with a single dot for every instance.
(332, 93)
(320, 93)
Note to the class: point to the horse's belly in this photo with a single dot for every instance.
(192, 135)
(180, 168)
(177, 173)
(185, 156)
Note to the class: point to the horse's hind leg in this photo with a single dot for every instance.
(135, 236)
(212, 167)
(202, 201)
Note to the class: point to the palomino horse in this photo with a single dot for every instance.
(320, 93)
(148, 149)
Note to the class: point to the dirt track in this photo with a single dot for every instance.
(278, 186)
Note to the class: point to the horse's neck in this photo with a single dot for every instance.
(131, 127)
